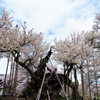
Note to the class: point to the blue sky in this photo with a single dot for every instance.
(54, 18)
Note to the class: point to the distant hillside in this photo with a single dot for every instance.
(2, 76)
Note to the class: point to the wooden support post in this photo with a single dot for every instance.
(9, 79)
(16, 74)
(4, 87)
(67, 83)
(64, 74)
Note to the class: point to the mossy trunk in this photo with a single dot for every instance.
(75, 95)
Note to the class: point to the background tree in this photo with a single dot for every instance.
(32, 46)
(96, 26)
(71, 50)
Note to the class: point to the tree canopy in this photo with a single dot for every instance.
(32, 53)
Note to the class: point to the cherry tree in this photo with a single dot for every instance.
(29, 52)
(31, 44)
(19, 40)
(73, 51)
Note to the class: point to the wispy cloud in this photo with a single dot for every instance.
(58, 16)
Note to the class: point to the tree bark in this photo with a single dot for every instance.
(64, 82)
(74, 86)
(89, 80)
(96, 79)
(82, 82)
